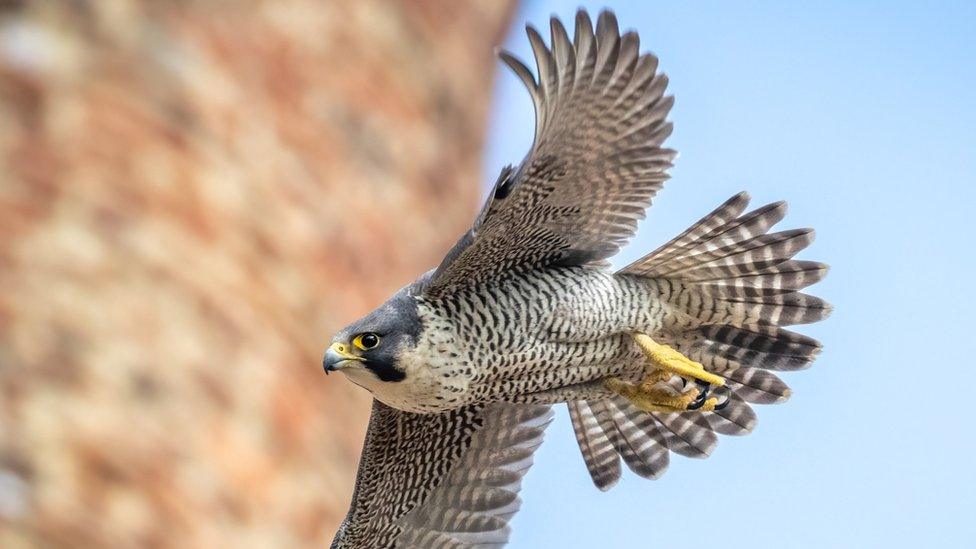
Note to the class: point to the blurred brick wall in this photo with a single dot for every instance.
(193, 196)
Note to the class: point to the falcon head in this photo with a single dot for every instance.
(369, 350)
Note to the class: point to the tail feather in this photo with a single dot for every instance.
(689, 239)
(753, 248)
(638, 450)
(601, 458)
(758, 386)
(738, 288)
(733, 286)
(786, 276)
(643, 434)
(746, 226)
(687, 434)
(644, 441)
(778, 310)
(763, 251)
(726, 293)
(736, 418)
(766, 347)
(739, 285)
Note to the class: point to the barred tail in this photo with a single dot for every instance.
(740, 286)
(735, 286)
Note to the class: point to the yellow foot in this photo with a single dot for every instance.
(650, 398)
(663, 357)
(652, 394)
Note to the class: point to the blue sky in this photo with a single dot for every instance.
(863, 117)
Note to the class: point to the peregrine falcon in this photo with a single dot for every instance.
(523, 313)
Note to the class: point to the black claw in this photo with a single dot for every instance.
(703, 388)
(699, 400)
(728, 398)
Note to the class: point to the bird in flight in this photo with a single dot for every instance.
(523, 313)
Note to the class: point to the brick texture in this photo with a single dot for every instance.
(193, 196)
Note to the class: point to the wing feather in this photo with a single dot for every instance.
(442, 480)
(595, 164)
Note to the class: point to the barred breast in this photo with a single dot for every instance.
(526, 334)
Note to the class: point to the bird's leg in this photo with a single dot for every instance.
(665, 362)
(665, 358)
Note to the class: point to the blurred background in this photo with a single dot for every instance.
(195, 194)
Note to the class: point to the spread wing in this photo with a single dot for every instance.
(594, 166)
(441, 480)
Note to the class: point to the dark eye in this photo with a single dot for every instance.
(366, 341)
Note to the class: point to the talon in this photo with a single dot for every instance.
(724, 403)
(703, 385)
(699, 400)
(666, 363)
(703, 390)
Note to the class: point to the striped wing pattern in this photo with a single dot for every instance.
(447, 480)
(593, 169)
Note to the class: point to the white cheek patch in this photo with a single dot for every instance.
(361, 376)
(436, 376)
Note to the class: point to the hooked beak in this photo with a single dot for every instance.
(338, 357)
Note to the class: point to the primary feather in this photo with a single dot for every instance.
(464, 466)
(594, 166)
